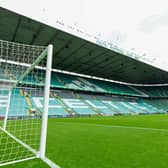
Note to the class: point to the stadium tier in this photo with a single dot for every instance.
(66, 81)
(60, 80)
(68, 103)
(91, 104)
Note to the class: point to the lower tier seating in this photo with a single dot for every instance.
(27, 102)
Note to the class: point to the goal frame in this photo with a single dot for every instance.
(43, 138)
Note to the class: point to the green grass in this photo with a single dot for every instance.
(106, 142)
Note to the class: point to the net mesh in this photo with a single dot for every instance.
(22, 79)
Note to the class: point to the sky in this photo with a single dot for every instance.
(139, 26)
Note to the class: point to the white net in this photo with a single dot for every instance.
(22, 79)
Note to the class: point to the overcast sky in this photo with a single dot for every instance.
(139, 25)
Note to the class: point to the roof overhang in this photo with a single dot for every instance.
(76, 54)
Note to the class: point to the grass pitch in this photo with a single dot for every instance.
(106, 142)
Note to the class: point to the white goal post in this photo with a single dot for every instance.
(25, 73)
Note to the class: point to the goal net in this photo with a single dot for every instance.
(24, 75)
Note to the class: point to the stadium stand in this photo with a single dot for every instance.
(65, 103)
(66, 81)
(85, 96)
(91, 104)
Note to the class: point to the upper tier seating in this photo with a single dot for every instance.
(65, 81)
(154, 91)
(60, 80)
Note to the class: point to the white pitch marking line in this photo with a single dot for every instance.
(116, 126)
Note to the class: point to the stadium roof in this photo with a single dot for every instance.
(74, 54)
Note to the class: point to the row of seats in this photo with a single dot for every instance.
(25, 103)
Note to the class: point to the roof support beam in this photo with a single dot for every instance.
(80, 58)
(57, 52)
(17, 27)
(63, 47)
(53, 38)
(69, 56)
(36, 34)
(98, 63)
(93, 58)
